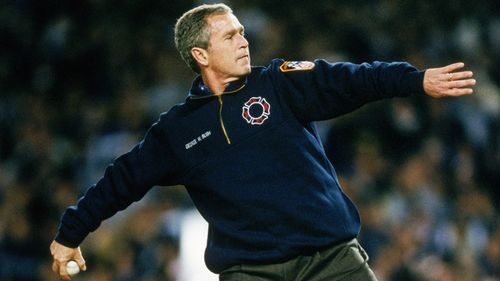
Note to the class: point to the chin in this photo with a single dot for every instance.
(248, 68)
(243, 72)
(245, 67)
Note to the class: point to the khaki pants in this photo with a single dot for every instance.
(346, 261)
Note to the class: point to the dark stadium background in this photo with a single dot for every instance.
(81, 82)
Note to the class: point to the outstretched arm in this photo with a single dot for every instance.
(448, 81)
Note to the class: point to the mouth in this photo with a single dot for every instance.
(244, 56)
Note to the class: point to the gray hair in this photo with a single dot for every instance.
(191, 30)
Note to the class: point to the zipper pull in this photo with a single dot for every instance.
(222, 121)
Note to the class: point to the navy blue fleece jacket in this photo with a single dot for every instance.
(251, 160)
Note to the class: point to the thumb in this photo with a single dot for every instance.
(81, 263)
(78, 257)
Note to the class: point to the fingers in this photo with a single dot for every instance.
(464, 83)
(458, 80)
(55, 266)
(452, 67)
(460, 83)
(60, 268)
(453, 76)
(456, 92)
(459, 88)
(63, 273)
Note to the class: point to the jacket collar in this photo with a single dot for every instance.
(199, 90)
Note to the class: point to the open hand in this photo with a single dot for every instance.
(448, 81)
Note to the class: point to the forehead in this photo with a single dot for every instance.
(221, 23)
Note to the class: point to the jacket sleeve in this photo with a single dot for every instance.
(325, 90)
(127, 180)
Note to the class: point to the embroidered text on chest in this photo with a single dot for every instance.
(198, 139)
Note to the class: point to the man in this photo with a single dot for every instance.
(244, 146)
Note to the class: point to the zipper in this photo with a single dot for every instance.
(222, 121)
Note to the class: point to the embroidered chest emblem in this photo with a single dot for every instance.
(256, 110)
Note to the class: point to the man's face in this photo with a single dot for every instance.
(228, 53)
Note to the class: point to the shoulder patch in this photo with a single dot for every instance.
(296, 66)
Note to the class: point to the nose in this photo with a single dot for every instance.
(243, 42)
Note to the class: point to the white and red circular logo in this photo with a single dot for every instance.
(256, 110)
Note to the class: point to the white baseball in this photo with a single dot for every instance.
(72, 268)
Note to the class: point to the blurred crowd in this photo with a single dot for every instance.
(81, 82)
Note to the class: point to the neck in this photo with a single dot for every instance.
(215, 83)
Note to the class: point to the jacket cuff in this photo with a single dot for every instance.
(415, 82)
(69, 233)
(68, 241)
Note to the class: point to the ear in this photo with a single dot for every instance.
(200, 55)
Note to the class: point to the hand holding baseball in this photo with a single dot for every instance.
(67, 261)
